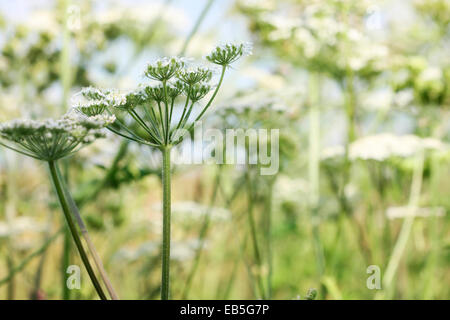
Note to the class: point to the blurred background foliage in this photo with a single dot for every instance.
(360, 91)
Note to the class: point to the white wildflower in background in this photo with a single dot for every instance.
(381, 99)
(405, 211)
(383, 146)
(254, 101)
(19, 226)
(290, 189)
(181, 251)
(404, 98)
(43, 21)
(265, 79)
(315, 34)
(333, 152)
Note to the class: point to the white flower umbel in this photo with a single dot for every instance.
(405, 211)
(228, 53)
(50, 139)
(383, 146)
(165, 68)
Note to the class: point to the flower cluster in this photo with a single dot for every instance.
(311, 33)
(427, 82)
(191, 76)
(199, 91)
(171, 78)
(383, 146)
(228, 53)
(164, 69)
(51, 139)
(438, 10)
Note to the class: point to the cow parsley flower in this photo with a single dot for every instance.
(51, 139)
(175, 88)
(229, 53)
(383, 146)
(92, 108)
(164, 69)
(191, 76)
(199, 90)
(154, 92)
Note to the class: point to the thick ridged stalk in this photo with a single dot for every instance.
(165, 275)
(98, 262)
(65, 207)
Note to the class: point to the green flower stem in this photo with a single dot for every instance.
(184, 109)
(65, 207)
(188, 114)
(153, 123)
(224, 68)
(161, 119)
(166, 112)
(141, 122)
(349, 105)
(269, 251)
(254, 238)
(207, 105)
(124, 127)
(131, 138)
(194, 30)
(19, 151)
(65, 262)
(87, 238)
(165, 277)
(405, 231)
(171, 110)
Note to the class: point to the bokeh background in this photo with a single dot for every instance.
(360, 91)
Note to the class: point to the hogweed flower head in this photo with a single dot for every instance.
(229, 53)
(171, 79)
(155, 92)
(51, 139)
(175, 88)
(91, 93)
(199, 91)
(117, 99)
(164, 69)
(92, 108)
(191, 76)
